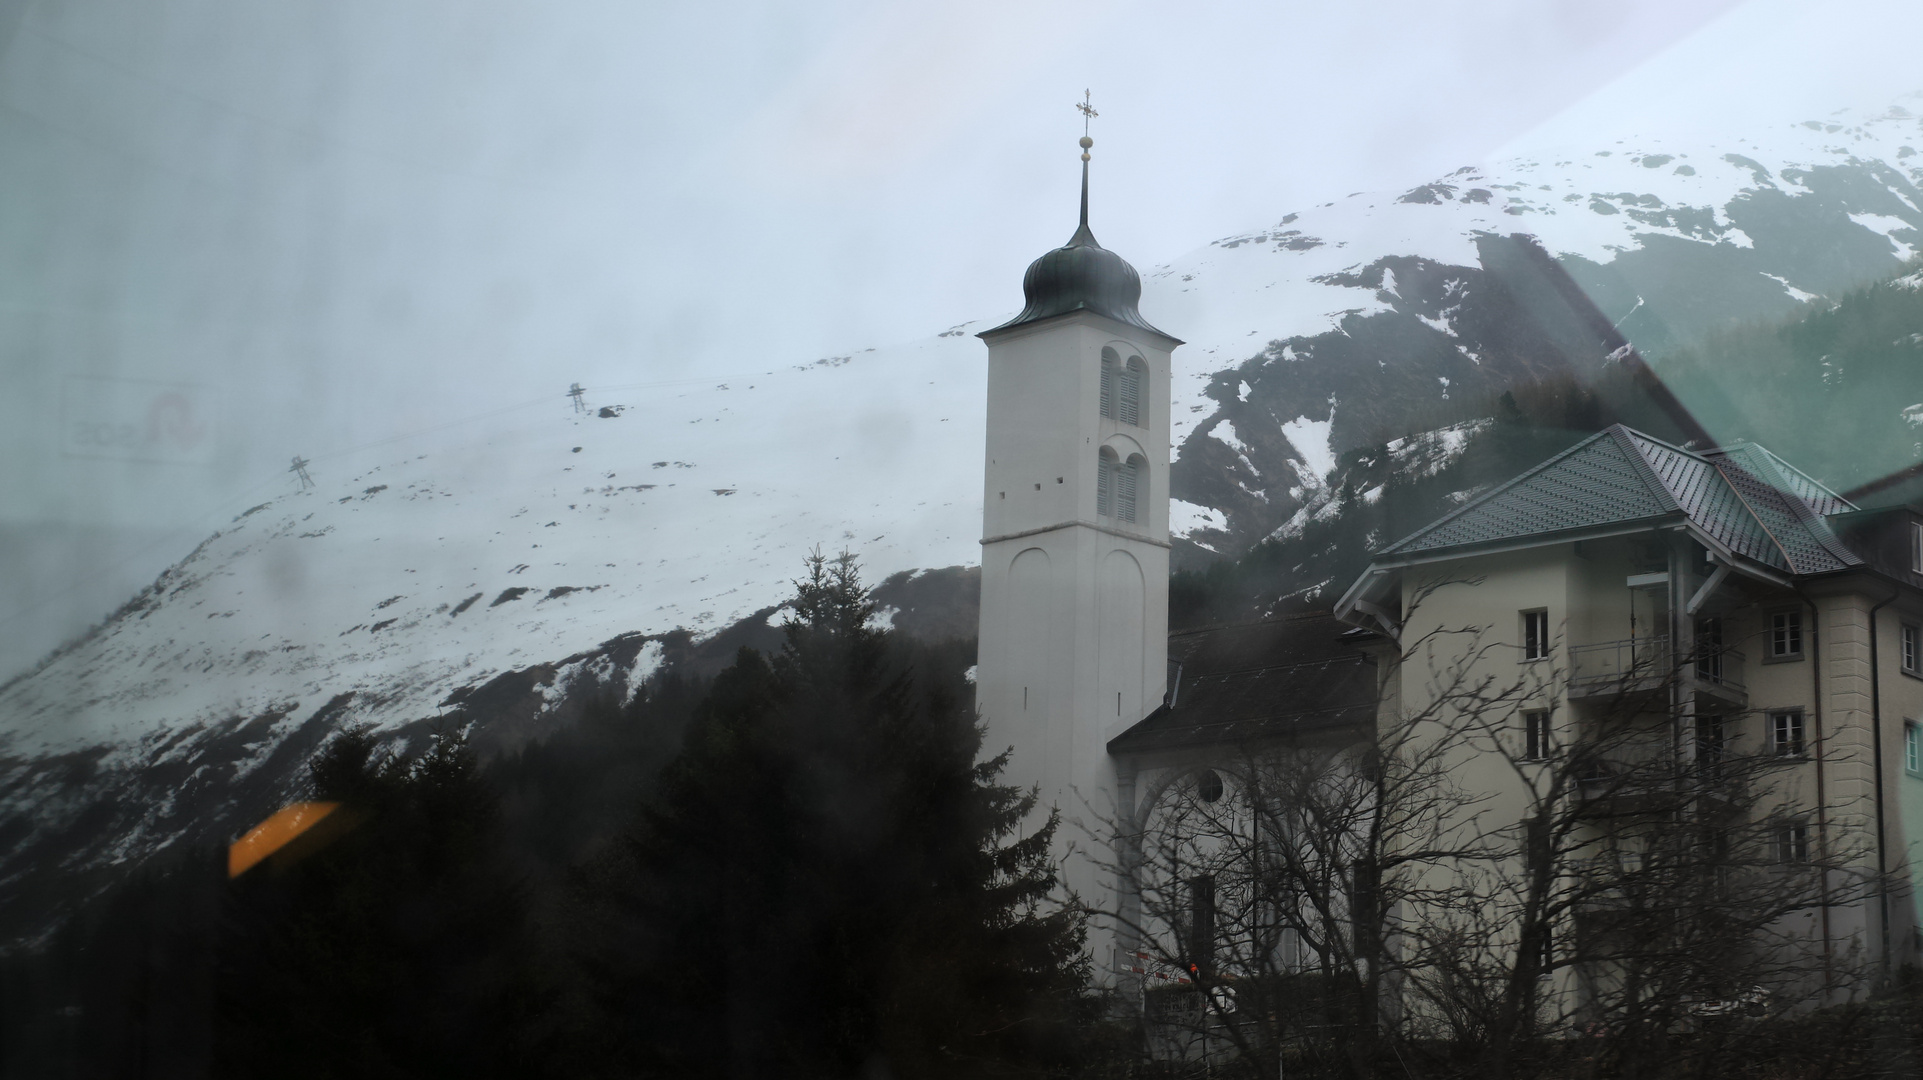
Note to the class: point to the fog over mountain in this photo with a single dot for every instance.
(502, 568)
(328, 226)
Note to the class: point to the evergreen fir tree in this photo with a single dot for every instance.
(830, 883)
(400, 950)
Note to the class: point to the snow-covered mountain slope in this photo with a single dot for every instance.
(532, 538)
(1345, 320)
(540, 535)
(683, 508)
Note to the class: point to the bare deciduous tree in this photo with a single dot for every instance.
(1473, 885)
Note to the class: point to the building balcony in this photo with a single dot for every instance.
(1718, 670)
(1629, 667)
(1643, 665)
(1652, 778)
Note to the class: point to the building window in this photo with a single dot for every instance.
(1122, 388)
(1201, 926)
(1792, 843)
(1129, 406)
(1907, 639)
(1117, 485)
(1786, 733)
(1785, 635)
(1536, 745)
(1208, 786)
(1110, 376)
(1912, 746)
(1916, 547)
(1710, 743)
(1535, 635)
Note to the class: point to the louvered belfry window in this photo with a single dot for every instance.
(1104, 485)
(1126, 477)
(1110, 362)
(1129, 410)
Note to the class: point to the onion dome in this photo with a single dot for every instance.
(1081, 275)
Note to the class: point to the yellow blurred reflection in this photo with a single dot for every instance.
(274, 834)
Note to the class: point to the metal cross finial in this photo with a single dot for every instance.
(1087, 110)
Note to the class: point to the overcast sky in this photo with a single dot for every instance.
(339, 222)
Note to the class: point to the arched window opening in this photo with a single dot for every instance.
(1106, 468)
(1208, 786)
(1110, 374)
(1129, 478)
(1133, 378)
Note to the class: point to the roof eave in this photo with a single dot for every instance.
(1382, 570)
(1019, 324)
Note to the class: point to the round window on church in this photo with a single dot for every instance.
(1208, 786)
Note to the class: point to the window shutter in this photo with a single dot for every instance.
(1108, 386)
(1102, 485)
(1131, 407)
(1125, 492)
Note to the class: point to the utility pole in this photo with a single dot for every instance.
(575, 391)
(299, 468)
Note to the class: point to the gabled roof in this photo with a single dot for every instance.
(1743, 497)
(1257, 681)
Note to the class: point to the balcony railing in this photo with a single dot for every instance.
(1644, 663)
(1718, 665)
(1609, 667)
(1642, 775)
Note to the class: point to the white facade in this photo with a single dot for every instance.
(1074, 605)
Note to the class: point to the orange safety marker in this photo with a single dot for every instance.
(275, 833)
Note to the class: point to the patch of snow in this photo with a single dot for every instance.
(1311, 439)
(1187, 517)
(646, 663)
(1224, 431)
(1794, 292)
(1884, 225)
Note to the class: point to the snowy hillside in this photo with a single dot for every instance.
(1344, 320)
(542, 534)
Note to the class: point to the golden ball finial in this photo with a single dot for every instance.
(1087, 142)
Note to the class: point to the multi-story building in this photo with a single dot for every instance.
(1689, 619)
(1627, 641)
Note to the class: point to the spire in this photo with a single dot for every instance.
(1081, 275)
(1085, 186)
(1082, 235)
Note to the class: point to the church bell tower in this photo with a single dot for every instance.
(1075, 548)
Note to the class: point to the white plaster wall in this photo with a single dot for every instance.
(1074, 615)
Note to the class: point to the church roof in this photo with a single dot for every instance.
(1081, 275)
(1743, 497)
(1253, 682)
